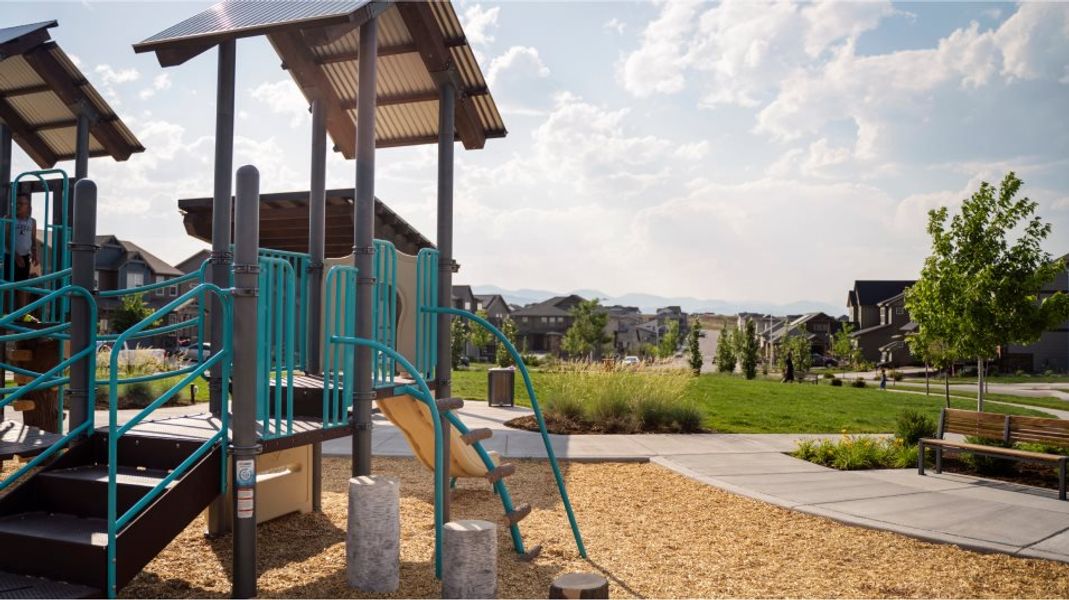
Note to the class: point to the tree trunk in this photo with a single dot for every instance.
(927, 383)
(980, 385)
(946, 385)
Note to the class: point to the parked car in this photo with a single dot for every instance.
(630, 361)
(820, 360)
(197, 352)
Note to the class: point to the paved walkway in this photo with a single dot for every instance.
(975, 513)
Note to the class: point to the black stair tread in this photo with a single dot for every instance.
(147, 478)
(17, 438)
(21, 586)
(57, 526)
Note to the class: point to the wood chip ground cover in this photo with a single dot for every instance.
(652, 532)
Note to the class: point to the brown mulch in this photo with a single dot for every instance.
(652, 532)
(558, 425)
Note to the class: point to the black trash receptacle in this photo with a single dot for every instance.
(501, 387)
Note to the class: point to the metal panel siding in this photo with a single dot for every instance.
(15, 72)
(235, 17)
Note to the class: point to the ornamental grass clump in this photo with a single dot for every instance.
(851, 453)
(620, 400)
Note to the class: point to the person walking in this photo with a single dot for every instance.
(788, 369)
(883, 378)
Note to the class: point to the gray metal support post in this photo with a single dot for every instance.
(5, 181)
(224, 162)
(443, 372)
(245, 445)
(317, 222)
(363, 244)
(83, 259)
(219, 273)
(81, 150)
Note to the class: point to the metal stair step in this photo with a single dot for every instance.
(518, 514)
(56, 527)
(83, 490)
(445, 404)
(500, 472)
(477, 435)
(22, 586)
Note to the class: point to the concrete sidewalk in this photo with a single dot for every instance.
(971, 512)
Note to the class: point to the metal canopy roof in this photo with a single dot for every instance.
(41, 94)
(419, 44)
(284, 223)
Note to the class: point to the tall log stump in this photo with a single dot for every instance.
(469, 559)
(579, 585)
(373, 543)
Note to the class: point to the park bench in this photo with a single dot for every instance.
(1008, 429)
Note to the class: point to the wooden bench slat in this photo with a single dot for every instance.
(1011, 452)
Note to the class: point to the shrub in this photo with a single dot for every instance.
(895, 375)
(685, 418)
(829, 375)
(858, 383)
(988, 465)
(912, 425)
(851, 453)
(566, 407)
(836, 382)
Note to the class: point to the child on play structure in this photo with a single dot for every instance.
(25, 245)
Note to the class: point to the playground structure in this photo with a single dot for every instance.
(302, 344)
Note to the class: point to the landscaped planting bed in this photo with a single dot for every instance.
(652, 532)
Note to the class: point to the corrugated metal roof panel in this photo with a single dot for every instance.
(38, 109)
(251, 18)
(16, 73)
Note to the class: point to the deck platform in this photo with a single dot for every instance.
(18, 439)
(20, 586)
(203, 426)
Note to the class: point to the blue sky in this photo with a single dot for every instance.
(731, 150)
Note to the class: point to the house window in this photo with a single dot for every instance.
(160, 291)
(467, 306)
(900, 310)
(173, 290)
(135, 279)
(545, 319)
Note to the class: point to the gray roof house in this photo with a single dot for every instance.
(540, 326)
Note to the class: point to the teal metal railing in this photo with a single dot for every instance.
(534, 406)
(339, 312)
(219, 356)
(426, 322)
(197, 322)
(56, 235)
(53, 377)
(384, 312)
(275, 334)
(300, 263)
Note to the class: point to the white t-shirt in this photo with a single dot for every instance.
(24, 229)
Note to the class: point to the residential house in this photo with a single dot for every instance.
(885, 342)
(1051, 351)
(497, 309)
(669, 314)
(464, 298)
(121, 264)
(540, 327)
(872, 327)
(193, 263)
(622, 328)
(817, 327)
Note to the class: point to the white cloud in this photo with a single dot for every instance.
(616, 25)
(692, 151)
(658, 65)
(283, 97)
(159, 83)
(523, 59)
(110, 76)
(479, 23)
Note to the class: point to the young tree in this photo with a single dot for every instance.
(458, 337)
(508, 328)
(725, 350)
(666, 348)
(843, 348)
(694, 348)
(131, 311)
(748, 349)
(480, 337)
(979, 289)
(586, 336)
(935, 352)
(795, 345)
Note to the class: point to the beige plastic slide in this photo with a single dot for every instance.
(413, 419)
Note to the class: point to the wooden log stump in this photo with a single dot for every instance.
(579, 585)
(38, 355)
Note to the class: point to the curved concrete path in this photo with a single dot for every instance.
(975, 513)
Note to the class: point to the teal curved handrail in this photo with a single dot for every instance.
(219, 356)
(56, 235)
(424, 394)
(534, 406)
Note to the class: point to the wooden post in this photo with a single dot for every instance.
(40, 408)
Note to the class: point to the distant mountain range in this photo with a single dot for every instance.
(649, 303)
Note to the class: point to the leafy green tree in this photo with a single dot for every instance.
(480, 337)
(725, 350)
(795, 345)
(508, 328)
(935, 352)
(131, 311)
(748, 349)
(979, 288)
(843, 347)
(694, 347)
(458, 338)
(586, 337)
(666, 348)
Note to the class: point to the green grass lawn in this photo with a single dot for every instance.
(733, 405)
(1054, 378)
